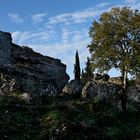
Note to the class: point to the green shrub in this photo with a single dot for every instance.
(67, 119)
(54, 125)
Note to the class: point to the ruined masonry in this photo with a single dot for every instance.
(22, 69)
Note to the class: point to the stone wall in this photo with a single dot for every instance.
(32, 71)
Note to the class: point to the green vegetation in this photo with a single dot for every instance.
(87, 73)
(77, 67)
(65, 118)
(115, 41)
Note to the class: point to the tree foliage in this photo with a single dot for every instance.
(87, 73)
(77, 67)
(116, 41)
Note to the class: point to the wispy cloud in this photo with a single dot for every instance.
(131, 1)
(134, 4)
(78, 16)
(14, 17)
(27, 37)
(37, 18)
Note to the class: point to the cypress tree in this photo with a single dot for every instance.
(77, 67)
(88, 69)
(87, 73)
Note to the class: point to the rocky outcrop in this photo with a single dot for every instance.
(104, 91)
(5, 48)
(112, 93)
(101, 89)
(133, 93)
(116, 80)
(25, 70)
(74, 87)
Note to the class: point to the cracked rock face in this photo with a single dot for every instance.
(5, 48)
(74, 87)
(22, 69)
(103, 90)
(133, 93)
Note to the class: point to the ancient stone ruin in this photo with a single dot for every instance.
(22, 69)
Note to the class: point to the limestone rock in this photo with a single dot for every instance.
(49, 91)
(133, 93)
(103, 90)
(1, 92)
(116, 80)
(23, 69)
(74, 87)
(26, 97)
(5, 48)
(8, 84)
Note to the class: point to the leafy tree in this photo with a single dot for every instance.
(87, 73)
(83, 77)
(115, 41)
(77, 67)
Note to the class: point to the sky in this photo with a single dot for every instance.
(56, 28)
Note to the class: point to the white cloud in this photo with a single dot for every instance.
(135, 5)
(36, 18)
(78, 16)
(130, 1)
(20, 37)
(68, 18)
(65, 35)
(15, 18)
(27, 37)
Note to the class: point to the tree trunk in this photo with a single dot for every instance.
(124, 97)
(125, 77)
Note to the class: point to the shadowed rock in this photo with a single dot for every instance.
(133, 93)
(104, 91)
(22, 69)
(74, 87)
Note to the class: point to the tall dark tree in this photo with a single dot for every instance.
(87, 73)
(77, 67)
(115, 41)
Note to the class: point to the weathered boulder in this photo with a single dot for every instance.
(26, 97)
(133, 93)
(8, 84)
(25, 70)
(103, 90)
(1, 92)
(74, 87)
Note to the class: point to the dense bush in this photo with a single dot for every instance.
(71, 119)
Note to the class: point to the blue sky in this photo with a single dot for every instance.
(56, 28)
